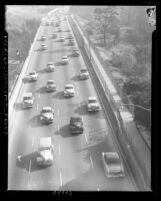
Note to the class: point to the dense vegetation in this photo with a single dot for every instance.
(124, 32)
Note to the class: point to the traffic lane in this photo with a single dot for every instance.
(21, 139)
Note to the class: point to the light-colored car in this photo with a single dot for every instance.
(69, 90)
(93, 104)
(43, 38)
(54, 35)
(27, 100)
(50, 66)
(47, 115)
(84, 74)
(71, 42)
(32, 76)
(45, 152)
(75, 53)
(64, 60)
(50, 85)
(43, 46)
(62, 39)
(112, 164)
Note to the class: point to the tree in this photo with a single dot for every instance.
(105, 19)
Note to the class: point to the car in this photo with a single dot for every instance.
(64, 60)
(50, 85)
(45, 152)
(84, 75)
(71, 42)
(59, 30)
(62, 39)
(76, 124)
(112, 164)
(43, 38)
(50, 66)
(70, 36)
(32, 76)
(75, 53)
(43, 47)
(69, 90)
(27, 100)
(54, 35)
(93, 104)
(47, 115)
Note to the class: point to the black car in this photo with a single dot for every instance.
(76, 124)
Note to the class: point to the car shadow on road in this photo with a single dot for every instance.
(82, 109)
(28, 162)
(36, 122)
(39, 50)
(64, 131)
(59, 63)
(41, 90)
(75, 78)
(58, 95)
(19, 107)
(43, 71)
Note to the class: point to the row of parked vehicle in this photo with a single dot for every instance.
(111, 160)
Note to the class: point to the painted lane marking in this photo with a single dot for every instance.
(61, 183)
(86, 138)
(33, 140)
(91, 162)
(29, 182)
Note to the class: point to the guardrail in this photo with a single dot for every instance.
(121, 134)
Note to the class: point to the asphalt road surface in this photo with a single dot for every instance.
(77, 158)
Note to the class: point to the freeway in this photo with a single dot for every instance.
(77, 158)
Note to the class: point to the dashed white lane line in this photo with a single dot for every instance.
(59, 150)
(91, 162)
(33, 138)
(61, 183)
(86, 138)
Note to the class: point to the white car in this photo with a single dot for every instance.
(84, 74)
(112, 164)
(69, 90)
(47, 115)
(32, 76)
(62, 39)
(43, 38)
(93, 104)
(65, 60)
(50, 66)
(43, 47)
(46, 151)
(27, 100)
(50, 85)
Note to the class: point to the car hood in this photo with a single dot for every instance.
(51, 85)
(115, 168)
(69, 90)
(46, 154)
(48, 115)
(28, 101)
(84, 74)
(93, 105)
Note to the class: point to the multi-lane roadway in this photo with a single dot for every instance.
(77, 158)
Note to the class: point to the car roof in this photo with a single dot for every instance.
(46, 108)
(75, 117)
(69, 85)
(51, 81)
(27, 94)
(45, 142)
(50, 62)
(111, 155)
(92, 98)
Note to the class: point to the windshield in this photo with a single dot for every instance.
(112, 161)
(46, 110)
(32, 73)
(50, 82)
(27, 98)
(69, 87)
(83, 71)
(92, 101)
(76, 119)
